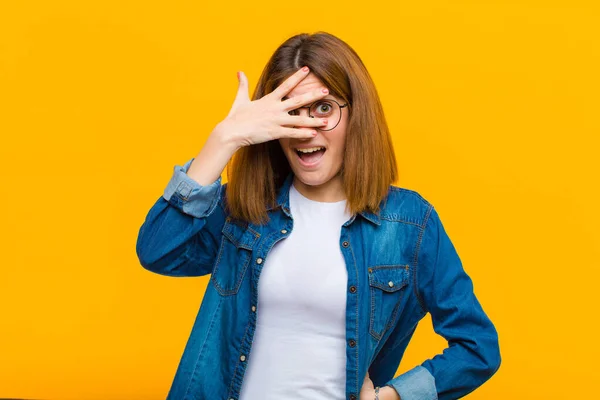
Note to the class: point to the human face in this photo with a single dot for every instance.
(319, 180)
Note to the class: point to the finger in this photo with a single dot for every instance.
(242, 95)
(289, 84)
(296, 120)
(297, 133)
(303, 99)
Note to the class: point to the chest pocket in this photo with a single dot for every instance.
(387, 284)
(234, 256)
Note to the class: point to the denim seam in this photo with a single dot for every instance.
(413, 192)
(202, 348)
(247, 327)
(212, 275)
(388, 324)
(416, 261)
(404, 221)
(222, 291)
(371, 323)
(237, 364)
(357, 318)
(215, 200)
(237, 242)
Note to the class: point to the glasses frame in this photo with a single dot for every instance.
(320, 100)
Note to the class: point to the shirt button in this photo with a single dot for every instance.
(345, 243)
(243, 358)
(259, 260)
(351, 342)
(253, 308)
(391, 284)
(284, 231)
(352, 397)
(352, 289)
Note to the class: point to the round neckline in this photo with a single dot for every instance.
(324, 203)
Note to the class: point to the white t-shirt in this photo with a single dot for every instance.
(299, 346)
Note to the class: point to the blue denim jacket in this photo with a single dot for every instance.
(401, 265)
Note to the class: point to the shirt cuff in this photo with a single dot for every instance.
(188, 195)
(415, 384)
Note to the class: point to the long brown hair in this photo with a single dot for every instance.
(257, 171)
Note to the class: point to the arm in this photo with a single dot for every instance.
(181, 232)
(446, 291)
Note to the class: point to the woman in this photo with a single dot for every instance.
(348, 263)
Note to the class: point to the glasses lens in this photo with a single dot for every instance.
(326, 109)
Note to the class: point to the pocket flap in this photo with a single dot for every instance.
(389, 278)
(241, 236)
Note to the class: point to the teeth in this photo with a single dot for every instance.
(310, 150)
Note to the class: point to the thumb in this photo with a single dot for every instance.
(242, 95)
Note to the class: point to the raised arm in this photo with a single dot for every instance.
(181, 233)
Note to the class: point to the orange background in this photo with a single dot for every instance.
(494, 110)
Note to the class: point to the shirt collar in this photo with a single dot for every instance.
(283, 200)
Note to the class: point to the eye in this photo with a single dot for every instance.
(323, 108)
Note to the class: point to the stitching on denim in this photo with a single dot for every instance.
(404, 221)
(383, 285)
(238, 282)
(202, 348)
(266, 240)
(222, 291)
(234, 240)
(416, 260)
(395, 312)
(373, 284)
(215, 200)
(237, 364)
(371, 327)
(391, 266)
(413, 192)
(215, 269)
(241, 274)
(357, 316)
(250, 322)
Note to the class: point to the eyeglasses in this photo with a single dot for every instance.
(324, 108)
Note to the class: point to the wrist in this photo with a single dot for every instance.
(388, 393)
(222, 134)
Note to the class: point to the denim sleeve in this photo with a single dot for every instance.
(181, 233)
(446, 292)
(418, 383)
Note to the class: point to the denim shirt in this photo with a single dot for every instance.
(401, 265)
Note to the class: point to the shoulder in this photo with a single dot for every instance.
(405, 205)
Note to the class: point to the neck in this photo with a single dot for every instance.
(328, 192)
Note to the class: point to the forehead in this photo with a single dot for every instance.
(308, 84)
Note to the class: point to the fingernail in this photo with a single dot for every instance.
(325, 90)
(305, 68)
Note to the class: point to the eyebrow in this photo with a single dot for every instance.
(328, 97)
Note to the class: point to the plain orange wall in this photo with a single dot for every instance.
(494, 110)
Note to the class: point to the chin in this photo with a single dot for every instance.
(312, 181)
(312, 178)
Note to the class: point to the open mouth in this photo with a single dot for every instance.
(310, 157)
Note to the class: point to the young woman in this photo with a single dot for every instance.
(348, 263)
